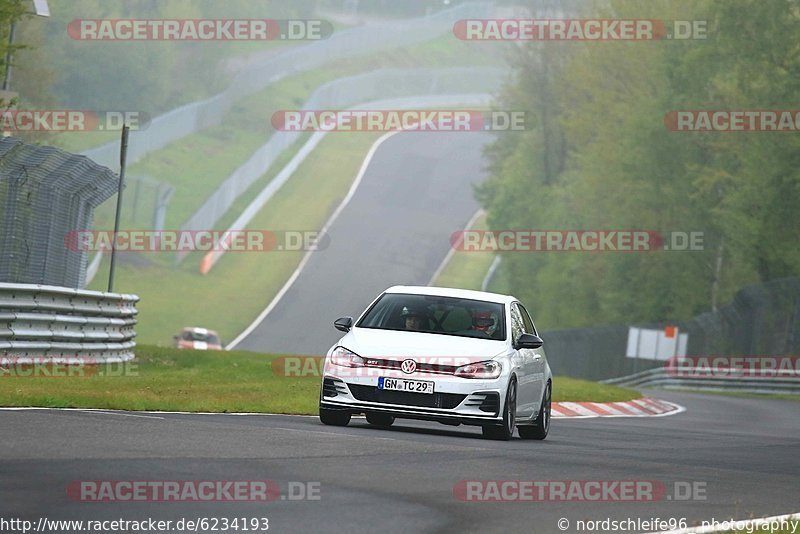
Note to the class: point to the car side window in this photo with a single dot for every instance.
(517, 326)
(526, 319)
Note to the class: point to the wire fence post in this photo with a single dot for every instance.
(123, 152)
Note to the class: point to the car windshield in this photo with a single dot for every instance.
(437, 315)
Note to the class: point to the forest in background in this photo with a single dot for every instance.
(596, 155)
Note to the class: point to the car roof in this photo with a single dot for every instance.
(452, 292)
(198, 330)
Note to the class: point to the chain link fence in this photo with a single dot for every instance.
(341, 94)
(45, 193)
(762, 320)
(197, 116)
(144, 205)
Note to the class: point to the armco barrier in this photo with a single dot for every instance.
(196, 116)
(343, 93)
(762, 319)
(63, 324)
(420, 102)
(667, 378)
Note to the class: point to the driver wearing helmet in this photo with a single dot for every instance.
(484, 322)
(414, 318)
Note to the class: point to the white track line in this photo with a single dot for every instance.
(677, 409)
(296, 274)
(742, 524)
(121, 414)
(453, 247)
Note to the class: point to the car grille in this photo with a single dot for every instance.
(422, 367)
(436, 400)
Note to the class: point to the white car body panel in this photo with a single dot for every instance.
(527, 366)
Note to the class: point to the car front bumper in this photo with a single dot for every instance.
(454, 401)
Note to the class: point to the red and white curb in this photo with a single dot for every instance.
(644, 407)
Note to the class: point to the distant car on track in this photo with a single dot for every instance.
(197, 339)
(448, 355)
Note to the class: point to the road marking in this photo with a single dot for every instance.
(748, 524)
(453, 248)
(105, 412)
(561, 410)
(296, 274)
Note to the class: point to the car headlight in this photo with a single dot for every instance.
(345, 358)
(490, 369)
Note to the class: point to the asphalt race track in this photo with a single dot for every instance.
(416, 192)
(742, 452)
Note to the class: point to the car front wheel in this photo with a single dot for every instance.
(334, 417)
(540, 427)
(506, 430)
(380, 419)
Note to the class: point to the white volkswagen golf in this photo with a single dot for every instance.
(438, 354)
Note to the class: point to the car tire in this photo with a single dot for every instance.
(334, 417)
(506, 430)
(541, 426)
(380, 419)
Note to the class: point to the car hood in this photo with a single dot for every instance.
(391, 344)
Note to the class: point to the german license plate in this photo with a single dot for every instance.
(403, 384)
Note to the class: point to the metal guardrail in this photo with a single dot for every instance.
(342, 93)
(196, 116)
(52, 323)
(778, 381)
(257, 204)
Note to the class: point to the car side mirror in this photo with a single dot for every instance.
(529, 341)
(343, 323)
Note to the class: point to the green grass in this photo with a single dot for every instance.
(198, 163)
(576, 390)
(242, 283)
(232, 50)
(168, 379)
(466, 270)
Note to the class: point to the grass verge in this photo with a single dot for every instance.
(168, 379)
(241, 284)
(196, 164)
(576, 390)
(466, 270)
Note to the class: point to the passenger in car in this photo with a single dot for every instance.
(415, 319)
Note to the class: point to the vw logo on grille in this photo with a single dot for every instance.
(408, 366)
